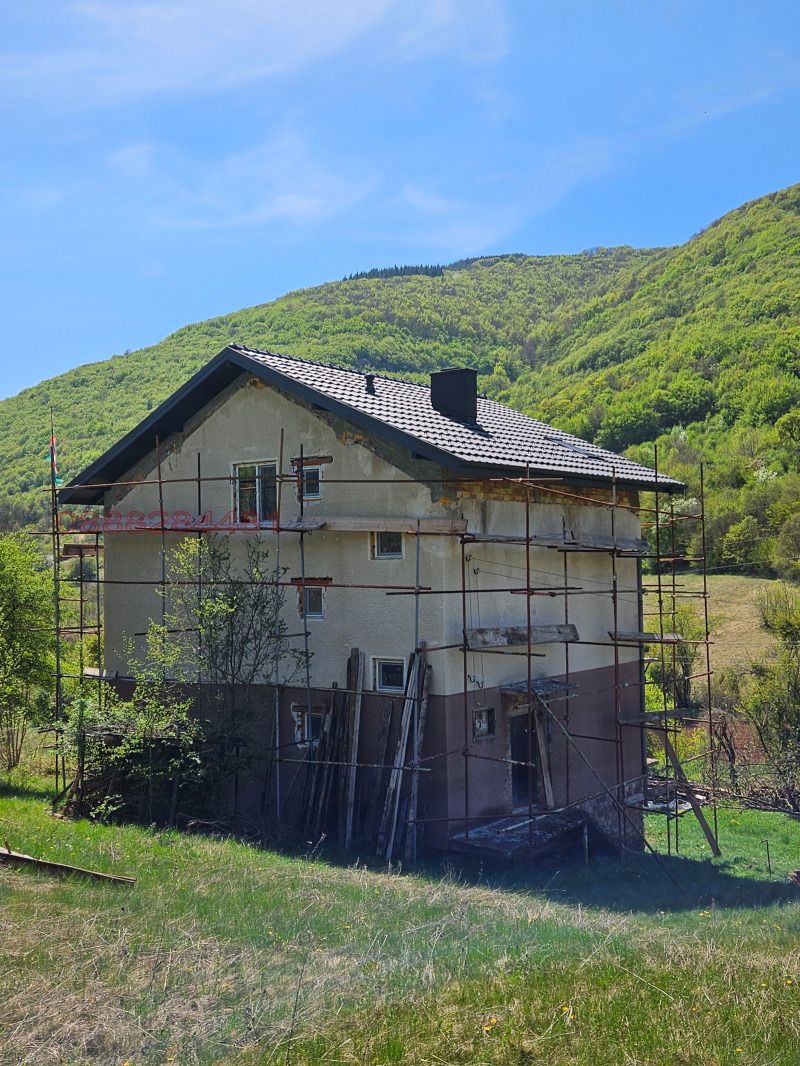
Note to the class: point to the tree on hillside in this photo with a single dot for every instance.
(26, 641)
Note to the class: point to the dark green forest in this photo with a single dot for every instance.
(695, 349)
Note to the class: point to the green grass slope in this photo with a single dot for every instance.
(619, 345)
(225, 954)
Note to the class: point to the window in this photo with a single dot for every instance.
(390, 675)
(387, 545)
(312, 482)
(483, 723)
(311, 596)
(307, 725)
(313, 601)
(256, 491)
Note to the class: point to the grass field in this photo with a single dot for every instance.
(223, 954)
(738, 637)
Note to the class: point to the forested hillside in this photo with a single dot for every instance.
(697, 346)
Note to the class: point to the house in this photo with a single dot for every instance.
(408, 515)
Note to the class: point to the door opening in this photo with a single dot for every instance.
(523, 778)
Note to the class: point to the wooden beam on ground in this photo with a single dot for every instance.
(515, 636)
(16, 858)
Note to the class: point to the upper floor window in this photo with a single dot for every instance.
(387, 545)
(312, 482)
(256, 490)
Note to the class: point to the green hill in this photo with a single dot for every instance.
(696, 346)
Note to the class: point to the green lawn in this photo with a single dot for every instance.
(224, 954)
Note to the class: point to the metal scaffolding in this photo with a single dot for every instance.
(547, 709)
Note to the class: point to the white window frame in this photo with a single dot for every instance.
(304, 591)
(375, 541)
(263, 520)
(316, 495)
(377, 662)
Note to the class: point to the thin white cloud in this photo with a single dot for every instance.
(475, 28)
(115, 50)
(280, 181)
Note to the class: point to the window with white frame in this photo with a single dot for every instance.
(389, 675)
(255, 491)
(386, 545)
(313, 601)
(312, 482)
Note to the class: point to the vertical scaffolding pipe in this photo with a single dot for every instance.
(276, 679)
(528, 659)
(100, 629)
(622, 825)
(465, 682)
(163, 549)
(566, 660)
(416, 594)
(302, 483)
(199, 560)
(56, 548)
(661, 645)
(674, 628)
(711, 740)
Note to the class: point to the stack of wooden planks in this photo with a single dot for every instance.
(329, 792)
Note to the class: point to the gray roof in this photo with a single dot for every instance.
(502, 437)
(502, 442)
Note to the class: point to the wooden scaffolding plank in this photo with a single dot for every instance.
(544, 756)
(514, 636)
(645, 638)
(357, 672)
(376, 524)
(412, 836)
(388, 820)
(373, 819)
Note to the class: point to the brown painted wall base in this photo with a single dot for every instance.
(470, 772)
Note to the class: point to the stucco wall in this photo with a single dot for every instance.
(371, 478)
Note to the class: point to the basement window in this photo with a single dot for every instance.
(307, 725)
(386, 545)
(255, 491)
(389, 675)
(483, 723)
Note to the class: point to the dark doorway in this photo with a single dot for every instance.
(523, 778)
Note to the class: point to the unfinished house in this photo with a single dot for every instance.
(467, 580)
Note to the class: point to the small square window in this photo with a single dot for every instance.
(314, 601)
(388, 545)
(312, 482)
(390, 675)
(483, 723)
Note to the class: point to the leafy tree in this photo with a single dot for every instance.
(26, 642)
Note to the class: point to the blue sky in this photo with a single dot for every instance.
(170, 160)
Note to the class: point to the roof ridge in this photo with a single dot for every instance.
(326, 366)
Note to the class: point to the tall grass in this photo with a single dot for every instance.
(225, 954)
